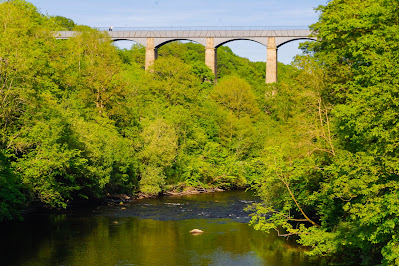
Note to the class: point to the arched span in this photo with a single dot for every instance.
(126, 44)
(121, 39)
(163, 42)
(280, 42)
(222, 41)
(139, 41)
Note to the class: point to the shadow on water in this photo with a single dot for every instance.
(149, 232)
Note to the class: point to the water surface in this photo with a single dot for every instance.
(149, 232)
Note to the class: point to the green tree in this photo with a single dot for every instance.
(349, 189)
(64, 23)
(12, 199)
(236, 95)
(160, 143)
(160, 149)
(26, 80)
(174, 80)
(152, 180)
(91, 67)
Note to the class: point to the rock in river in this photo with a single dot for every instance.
(196, 232)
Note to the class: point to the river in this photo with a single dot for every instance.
(149, 232)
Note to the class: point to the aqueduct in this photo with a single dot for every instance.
(210, 38)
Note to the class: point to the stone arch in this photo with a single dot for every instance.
(153, 44)
(139, 41)
(126, 44)
(158, 42)
(222, 41)
(283, 40)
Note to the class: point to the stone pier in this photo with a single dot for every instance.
(271, 63)
(151, 53)
(210, 55)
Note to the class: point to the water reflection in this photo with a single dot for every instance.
(116, 236)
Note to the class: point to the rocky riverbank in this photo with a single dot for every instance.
(118, 198)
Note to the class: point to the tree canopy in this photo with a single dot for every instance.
(81, 118)
(342, 197)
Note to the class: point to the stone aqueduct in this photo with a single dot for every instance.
(211, 39)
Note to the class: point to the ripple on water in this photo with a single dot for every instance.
(223, 205)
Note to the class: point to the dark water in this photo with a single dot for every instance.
(149, 232)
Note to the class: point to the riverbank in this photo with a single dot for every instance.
(36, 206)
(170, 191)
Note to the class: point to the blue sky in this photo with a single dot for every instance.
(155, 13)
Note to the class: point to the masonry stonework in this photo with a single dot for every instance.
(271, 63)
(210, 55)
(150, 53)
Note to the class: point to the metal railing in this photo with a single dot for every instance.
(204, 28)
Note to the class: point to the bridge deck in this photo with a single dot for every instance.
(198, 33)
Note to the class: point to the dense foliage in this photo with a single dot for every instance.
(80, 118)
(341, 194)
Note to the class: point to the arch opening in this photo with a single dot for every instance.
(239, 40)
(247, 48)
(124, 43)
(289, 49)
(186, 50)
(176, 40)
(302, 39)
(130, 51)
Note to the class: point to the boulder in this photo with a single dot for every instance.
(196, 232)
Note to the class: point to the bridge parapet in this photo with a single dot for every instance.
(205, 28)
(198, 34)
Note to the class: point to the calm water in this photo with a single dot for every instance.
(149, 232)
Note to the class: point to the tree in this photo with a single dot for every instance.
(49, 91)
(350, 189)
(160, 148)
(91, 67)
(359, 46)
(160, 143)
(64, 23)
(174, 80)
(11, 197)
(26, 45)
(23, 62)
(235, 95)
